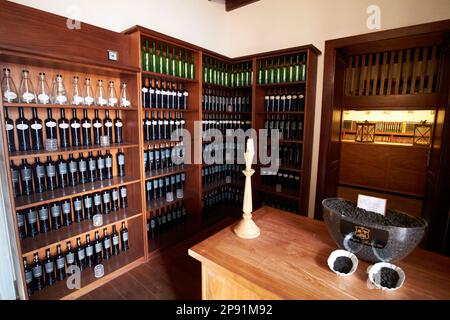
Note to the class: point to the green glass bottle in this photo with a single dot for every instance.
(243, 74)
(146, 65)
(232, 77)
(260, 73)
(303, 68)
(159, 57)
(266, 73)
(211, 66)
(226, 80)
(205, 70)
(297, 69)
(174, 63)
(290, 70)
(284, 71)
(167, 62)
(180, 65)
(272, 72)
(278, 72)
(186, 65)
(192, 67)
(153, 58)
(248, 75)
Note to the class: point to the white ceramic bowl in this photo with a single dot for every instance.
(375, 270)
(342, 253)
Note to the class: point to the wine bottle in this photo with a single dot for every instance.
(92, 167)
(118, 128)
(26, 177)
(124, 237)
(81, 255)
(28, 277)
(86, 129)
(112, 95)
(66, 212)
(108, 165)
(49, 266)
(39, 175)
(97, 125)
(120, 163)
(55, 210)
(148, 190)
(73, 170)
(63, 125)
(83, 169)
(50, 126)
(108, 126)
(145, 94)
(23, 131)
(123, 197)
(44, 219)
(115, 241)
(9, 124)
(15, 175)
(75, 128)
(98, 249)
(147, 127)
(37, 138)
(63, 172)
(97, 203)
(152, 95)
(70, 255)
(106, 244)
(106, 202)
(78, 209)
(115, 199)
(38, 275)
(60, 264)
(152, 226)
(89, 247)
(101, 170)
(88, 210)
(20, 215)
(26, 89)
(50, 170)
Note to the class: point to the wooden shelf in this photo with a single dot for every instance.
(113, 267)
(57, 106)
(43, 241)
(18, 155)
(281, 84)
(399, 134)
(159, 173)
(36, 199)
(149, 74)
(284, 193)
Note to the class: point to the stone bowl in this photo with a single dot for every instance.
(370, 236)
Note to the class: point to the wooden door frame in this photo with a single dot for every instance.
(332, 97)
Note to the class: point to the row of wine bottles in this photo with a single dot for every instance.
(284, 100)
(168, 61)
(227, 151)
(164, 94)
(220, 196)
(73, 132)
(160, 125)
(225, 122)
(164, 219)
(281, 70)
(165, 187)
(289, 127)
(52, 268)
(58, 95)
(51, 175)
(223, 172)
(280, 203)
(56, 215)
(229, 101)
(281, 180)
(220, 73)
(291, 155)
(162, 156)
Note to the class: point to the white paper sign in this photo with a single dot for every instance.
(373, 204)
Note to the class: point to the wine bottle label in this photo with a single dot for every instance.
(101, 101)
(115, 240)
(88, 100)
(20, 220)
(9, 127)
(97, 125)
(125, 102)
(108, 162)
(89, 251)
(82, 166)
(157, 91)
(70, 257)
(77, 205)
(152, 224)
(125, 236)
(106, 197)
(86, 125)
(36, 126)
(112, 100)
(28, 97)
(107, 243)
(56, 211)
(121, 160)
(154, 122)
(66, 207)
(108, 124)
(81, 255)
(92, 164)
(97, 200)
(37, 271)
(64, 125)
(26, 174)
(77, 100)
(62, 168)
(166, 122)
(50, 124)
(115, 195)
(10, 95)
(123, 192)
(144, 89)
(75, 125)
(101, 163)
(60, 263)
(73, 167)
(119, 124)
(61, 99)
(43, 214)
(186, 94)
(148, 123)
(49, 267)
(164, 219)
(98, 247)
(15, 176)
(28, 277)
(88, 203)
(43, 98)
(22, 126)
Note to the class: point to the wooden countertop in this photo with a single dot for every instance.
(289, 260)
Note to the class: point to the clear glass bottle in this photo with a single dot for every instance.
(88, 93)
(124, 99)
(27, 93)
(112, 96)
(59, 94)
(8, 87)
(77, 95)
(43, 92)
(100, 96)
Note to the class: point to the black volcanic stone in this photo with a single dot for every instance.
(388, 277)
(343, 264)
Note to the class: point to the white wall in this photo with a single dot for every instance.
(262, 26)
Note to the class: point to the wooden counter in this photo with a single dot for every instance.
(289, 261)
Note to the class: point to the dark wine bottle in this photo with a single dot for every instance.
(81, 255)
(92, 167)
(115, 199)
(97, 203)
(64, 135)
(37, 138)
(28, 277)
(9, 124)
(23, 131)
(44, 219)
(97, 126)
(147, 127)
(55, 210)
(66, 212)
(86, 129)
(63, 172)
(89, 247)
(49, 266)
(123, 197)
(78, 209)
(50, 126)
(21, 224)
(83, 169)
(124, 237)
(106, 202)
(108, 165)
(15, 175)
(108, 126)
(106, 244)
(75, 129)
(152, 222)
(39, 175)
(26, 178)
(98, 249)
(118, 128)
(88, 209)
(73, 170)
(101, 171)
(60, 264)
(115, 241)
(120, 163)
(70, 256)
(38, 274)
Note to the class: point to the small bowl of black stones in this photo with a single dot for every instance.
(386, 276)
(343, 263)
